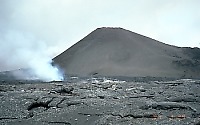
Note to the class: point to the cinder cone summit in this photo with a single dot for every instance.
(119, 52)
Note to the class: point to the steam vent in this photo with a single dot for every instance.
(119, 52)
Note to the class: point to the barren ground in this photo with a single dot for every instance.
(100, 101)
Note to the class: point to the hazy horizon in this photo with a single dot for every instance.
(52, 26)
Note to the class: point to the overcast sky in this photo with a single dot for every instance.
(58, 24)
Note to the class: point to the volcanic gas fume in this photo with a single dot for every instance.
(23, 50)
(44, 69)
(47, 72)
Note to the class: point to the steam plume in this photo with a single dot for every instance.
(23, 50)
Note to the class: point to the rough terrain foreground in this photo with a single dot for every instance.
(100, 102)
(119, 52)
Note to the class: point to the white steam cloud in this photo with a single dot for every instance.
(23, 50)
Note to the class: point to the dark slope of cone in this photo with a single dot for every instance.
(119, 52)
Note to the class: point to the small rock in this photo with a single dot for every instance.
(101, 96)
(63, 90)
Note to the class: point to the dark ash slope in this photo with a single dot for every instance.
(119, 52)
